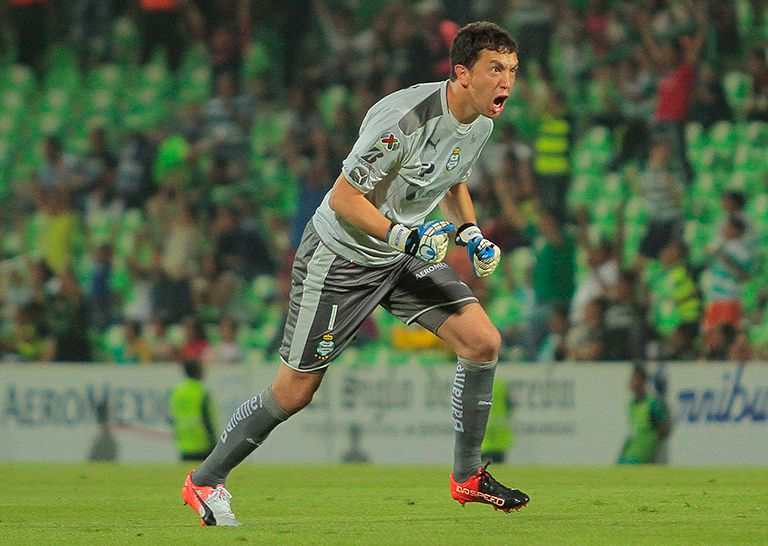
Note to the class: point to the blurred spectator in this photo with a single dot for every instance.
(238, 246)
(134, 174)
(553, 348)
(27, 339)
(227, 118)
(729, 268)
(719, 340)
(757, 101)
(709, 101)
(30, 22)
(99, 163)
(603, 263)
(181, 245)
(662, 190)
(101, 298)
(673, 294)
(192, 414)
(226, 350)
(649, 422)
(161, 26)
(586, 338)
(405, 50)
(511, 207)
(68, 320)
(195, 339)
(61, 231)
(161, 347)
(440, 34)
(636, 84)
(135, 349)
(733, 203)
(681, 346)
(171, 296)
(225, 45)
(137, 304)
(568, 34)
(624, 327)
(58, 170)
(91, 30)
(552, 150)
(553, 277)
(531, 23)
(675, 60)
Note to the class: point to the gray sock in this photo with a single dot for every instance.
(470, 406)
(247, 429)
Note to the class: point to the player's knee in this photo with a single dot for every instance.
(484, 346)
(295, 394)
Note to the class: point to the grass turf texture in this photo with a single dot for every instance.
(140, 504)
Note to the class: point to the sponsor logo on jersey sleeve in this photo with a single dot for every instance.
(390, 141)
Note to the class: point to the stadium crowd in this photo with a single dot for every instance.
(159, 160)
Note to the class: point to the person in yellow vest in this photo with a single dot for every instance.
(192, 414)
(552, 153)
(649, 423)
(499, 437)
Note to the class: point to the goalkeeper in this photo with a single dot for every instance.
(367, 245)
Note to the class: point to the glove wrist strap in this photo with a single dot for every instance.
(466, 233)
(397, 237)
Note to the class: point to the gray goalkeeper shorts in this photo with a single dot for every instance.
(332, 296)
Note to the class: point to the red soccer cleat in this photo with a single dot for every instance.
(482, 487)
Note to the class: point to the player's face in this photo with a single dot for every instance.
(491, 80)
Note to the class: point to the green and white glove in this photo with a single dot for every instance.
(428, 242)
(485, 256)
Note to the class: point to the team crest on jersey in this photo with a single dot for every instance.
(390, 141)
(454, 159)
(325, 347)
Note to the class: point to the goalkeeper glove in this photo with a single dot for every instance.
(485, 256)
(428, 242)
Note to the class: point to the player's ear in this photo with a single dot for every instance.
(462, 74)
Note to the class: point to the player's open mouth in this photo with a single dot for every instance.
(498, 102)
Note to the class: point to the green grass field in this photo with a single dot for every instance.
(140, 504)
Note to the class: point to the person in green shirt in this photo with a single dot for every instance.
(649, 422)
(192, 414)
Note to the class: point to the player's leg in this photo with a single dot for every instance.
(330, 297)
(252, 422)
(470, 333)
(249, 426)
(434, 297)
(476, 342)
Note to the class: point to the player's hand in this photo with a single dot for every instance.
(428, 242)
(485, 256)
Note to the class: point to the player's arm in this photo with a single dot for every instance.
(428, 242)
(352, 205)
(458, 208)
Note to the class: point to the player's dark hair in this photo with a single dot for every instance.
(475, 37)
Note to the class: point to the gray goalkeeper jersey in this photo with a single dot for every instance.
(410, 152)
